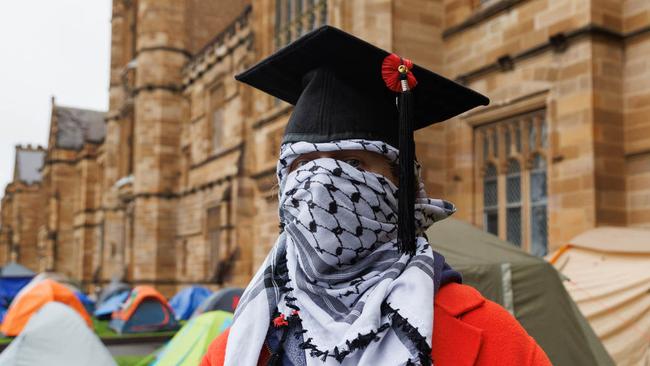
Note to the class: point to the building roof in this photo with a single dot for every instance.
(76, 126)
(28, 166)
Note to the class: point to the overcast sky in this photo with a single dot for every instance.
(49, 48)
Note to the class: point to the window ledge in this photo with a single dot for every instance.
(481, 15)
(503, 109)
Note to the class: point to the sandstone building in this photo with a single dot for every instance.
(180, 189)
(21, 207)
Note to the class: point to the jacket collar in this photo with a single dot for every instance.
(454, 341)
(449, 331)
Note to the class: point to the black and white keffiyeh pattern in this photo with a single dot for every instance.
(336, 271)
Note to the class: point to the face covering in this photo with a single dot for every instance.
(335, 277)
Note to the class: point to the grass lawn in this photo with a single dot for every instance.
(104, 332)
(128, 360)
(133, 360)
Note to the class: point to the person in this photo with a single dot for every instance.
(352, 279)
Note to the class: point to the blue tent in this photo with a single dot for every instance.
(187, 300)
(88, 304)
(13, 277)
(105, 309)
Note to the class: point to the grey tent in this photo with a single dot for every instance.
(225, 299)
(113, 288)
(529, 287)
(56, 335)
(12, 270)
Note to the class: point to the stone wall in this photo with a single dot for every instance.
(582, 70)
(21, 208)
(183, 188)
(636, 101)
(206, 19)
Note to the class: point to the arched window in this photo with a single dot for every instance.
(514, 198)
(513, 202)
(490, 200)
(538, 202)
(294, 18)
(220, 233)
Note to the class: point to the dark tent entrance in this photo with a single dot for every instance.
(144, 310)
(148, 317)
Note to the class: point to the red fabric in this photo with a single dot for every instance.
(280, 321)
(217, 352)
(391, 74)
(468, 330)
(471, 330)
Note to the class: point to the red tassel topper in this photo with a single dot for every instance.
(280, 321)
(390, 72)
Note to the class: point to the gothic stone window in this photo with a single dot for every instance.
(490, 200)
(294, 18)
(214, 226)
(538, 218)
(513, 170)
(219, 234)
(215, 117)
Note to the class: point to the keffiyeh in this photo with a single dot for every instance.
(335, 270)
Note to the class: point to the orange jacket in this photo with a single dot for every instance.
(468, 330)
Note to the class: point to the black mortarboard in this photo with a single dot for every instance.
(339, 85)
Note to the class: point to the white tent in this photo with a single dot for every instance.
(607, 273)
(56, 335)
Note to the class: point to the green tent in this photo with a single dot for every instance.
(191, 342)
(529, 287)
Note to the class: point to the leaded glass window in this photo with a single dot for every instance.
(490, 200)
(544, 135)
(293, 18)
(538, 201)
(532, 135)
(513, 202)
(516, 211)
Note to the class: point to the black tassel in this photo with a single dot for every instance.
(406, 192)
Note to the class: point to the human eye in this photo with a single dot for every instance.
(298, 163)
(353, 162)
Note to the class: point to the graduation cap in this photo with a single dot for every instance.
(345, 88)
